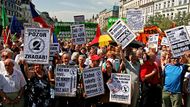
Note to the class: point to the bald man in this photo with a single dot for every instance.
(12, 85)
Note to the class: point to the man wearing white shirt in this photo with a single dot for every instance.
(12, 85)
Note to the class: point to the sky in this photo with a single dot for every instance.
(64, 10)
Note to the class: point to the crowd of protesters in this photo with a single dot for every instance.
(158, 79)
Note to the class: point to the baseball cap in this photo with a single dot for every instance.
(95, 57)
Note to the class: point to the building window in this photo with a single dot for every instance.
(172, 2)
(159, 6)
(180, 2)
(156, 6)
(168, 3)
(164, 15)
(185, 1)
(164, 4)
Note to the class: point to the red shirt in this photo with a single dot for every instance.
(147, 68)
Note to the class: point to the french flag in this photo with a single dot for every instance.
(37, 18)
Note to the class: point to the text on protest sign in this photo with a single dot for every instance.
(93, 82)
(37, 45)
(54, 48)
(179, 40)
(78, 34)
(153, 41)
(121, 33)
(65, 80)
(120, 88)
(135, 20)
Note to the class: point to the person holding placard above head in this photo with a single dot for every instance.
(151, 80)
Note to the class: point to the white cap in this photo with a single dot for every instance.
(22, 45)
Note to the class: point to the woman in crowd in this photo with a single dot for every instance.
(39, 88)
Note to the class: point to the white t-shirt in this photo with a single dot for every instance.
(187, 75)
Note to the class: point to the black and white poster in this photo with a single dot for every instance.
(179, 40)
(66, 80)
(37, 45)
(93, 82)
(121, 33)
(78, 34)
(135, 20)
(120, 88)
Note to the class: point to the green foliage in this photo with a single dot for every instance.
(160, 21)
(165, 23)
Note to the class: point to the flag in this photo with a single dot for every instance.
(37, 18)
(55, 38)
(16, 26)
(4, 17)
(5, 31)
(98, 33)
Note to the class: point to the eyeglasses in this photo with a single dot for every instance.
(6, 65)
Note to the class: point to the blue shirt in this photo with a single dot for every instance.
(173, 78)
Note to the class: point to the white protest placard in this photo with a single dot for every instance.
(165, 41)
(37, 45)
(179, 40)
(135, 20)
(66, 80)
(78, 34)
(153, 41)
(120, 88)
(54, 48)
(93, 82)
(121, 33)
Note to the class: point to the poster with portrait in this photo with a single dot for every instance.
(120, 88)
(178, 40)
(153, 41)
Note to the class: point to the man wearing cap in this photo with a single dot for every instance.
(173, 76)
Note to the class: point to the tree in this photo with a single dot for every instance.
(159, 20)
(182, 19)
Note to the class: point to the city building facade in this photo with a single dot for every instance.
(107, 13)
(167, 8)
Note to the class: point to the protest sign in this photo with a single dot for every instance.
(178, 40)
(135, 20)
(93, 82)
(78, 34)
(165, 41)
(120, 88)
(66, 80)
(79, 18)
(37, 45)
(121, 33)
(54, 48)
(153, 41)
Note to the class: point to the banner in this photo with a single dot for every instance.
(37, 45)
(135, 20)
(78, 34)
(153, 41)
(121, 33)
(66, 80)
(179, 40)
(54, 48)
(120, 88)
(93, 82)
(165, 41)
